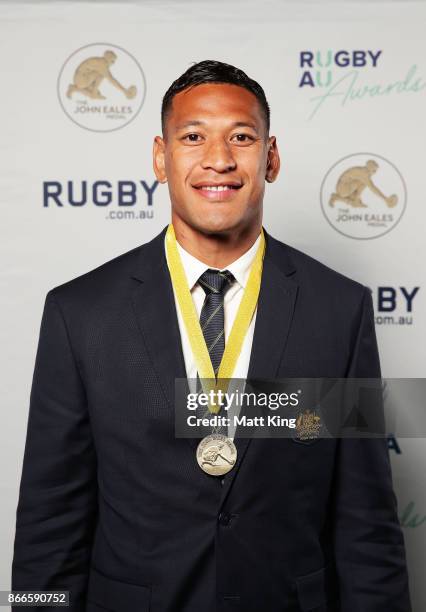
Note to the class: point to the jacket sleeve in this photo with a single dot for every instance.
(57, 505)
(369, 543)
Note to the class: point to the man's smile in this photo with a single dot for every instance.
(217, 191)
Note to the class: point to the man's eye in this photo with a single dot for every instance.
(192, 138)
(242, 138)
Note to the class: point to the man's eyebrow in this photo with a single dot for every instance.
(253, 126)
(195, 122)
(189, 123)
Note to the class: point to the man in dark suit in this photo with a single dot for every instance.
(112, 506)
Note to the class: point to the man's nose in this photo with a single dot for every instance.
(218, 156)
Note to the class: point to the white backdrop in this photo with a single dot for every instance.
(358, 97)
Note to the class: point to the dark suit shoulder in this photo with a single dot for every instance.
(106, 287)
(312, 273)
(114, 276)
(100, 279)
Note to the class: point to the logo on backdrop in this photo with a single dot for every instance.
(101, 87)
(119, 199)
(395, 305)
(363, 196)
(337, 77)
(393, 444)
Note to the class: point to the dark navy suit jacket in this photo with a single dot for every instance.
(115, 509)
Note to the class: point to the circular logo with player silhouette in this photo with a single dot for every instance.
(363, 196)
(101, 87)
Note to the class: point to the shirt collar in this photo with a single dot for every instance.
(240, 268)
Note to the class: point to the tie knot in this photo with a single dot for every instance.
(216, 281)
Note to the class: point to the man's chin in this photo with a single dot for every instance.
(216, 226)
(213, 222)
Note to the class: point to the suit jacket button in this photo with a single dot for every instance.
(224, 518)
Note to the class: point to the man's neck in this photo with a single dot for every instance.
(215, 250)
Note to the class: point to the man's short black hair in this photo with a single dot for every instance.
(210, 71)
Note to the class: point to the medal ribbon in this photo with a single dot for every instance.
(192, 323)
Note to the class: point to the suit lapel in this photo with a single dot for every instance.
(276, 303)
(275, 309)
(155, 311)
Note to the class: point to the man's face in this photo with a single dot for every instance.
(216, 155)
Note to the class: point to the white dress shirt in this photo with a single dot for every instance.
(240, 268)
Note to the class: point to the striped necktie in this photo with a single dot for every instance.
(212, 321)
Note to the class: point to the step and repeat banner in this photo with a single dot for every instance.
(81, 90)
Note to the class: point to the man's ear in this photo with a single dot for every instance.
(273, 161)
(158, 153)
